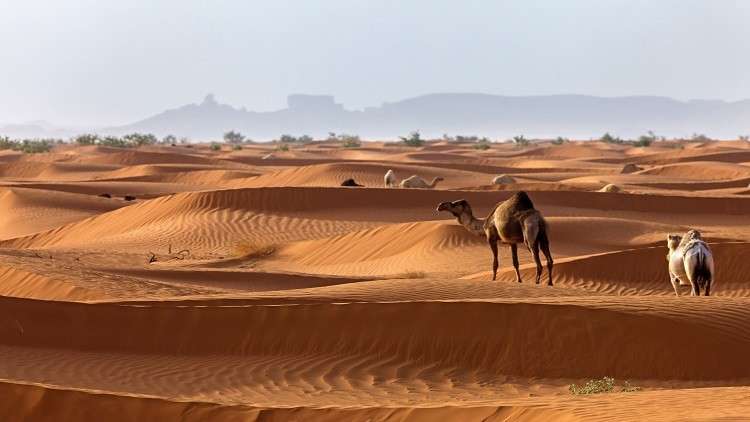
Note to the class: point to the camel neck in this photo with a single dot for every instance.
(472, 224)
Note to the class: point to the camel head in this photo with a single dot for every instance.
(457, 208)
(673, 240)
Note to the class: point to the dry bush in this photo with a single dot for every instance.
(255, 250)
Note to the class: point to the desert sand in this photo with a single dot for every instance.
(238, 288)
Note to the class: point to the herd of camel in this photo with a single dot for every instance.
(516, 221)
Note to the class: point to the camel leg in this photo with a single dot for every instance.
(708, 288)
(493, 245)
(539, 269)
(544, 244)
(514, 252)
(694, 289)
(675, 283)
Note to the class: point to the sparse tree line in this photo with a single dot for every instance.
(283, 142)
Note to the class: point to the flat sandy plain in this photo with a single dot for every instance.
(276, 295)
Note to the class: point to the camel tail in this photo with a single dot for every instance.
(534, 228)
(699, 267)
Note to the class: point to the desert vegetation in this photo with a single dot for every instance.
(29, 146)
(414, 139)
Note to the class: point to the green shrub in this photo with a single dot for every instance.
(215, 146)
(602, 385)
(169, 140)
(699, 137)
(86, 139)
(237, 147)
(115, 142)
(350, 141)
(282, 147)
(595, 386)
(29, 146)
(140, 139)
(482, 144)
(521, 140)
(609, 139)
(413, 140)
(560, 140)
(233, 137)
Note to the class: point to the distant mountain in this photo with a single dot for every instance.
(575, 116)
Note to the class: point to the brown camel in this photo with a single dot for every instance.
(512, 222)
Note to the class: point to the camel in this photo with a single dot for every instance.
(512, 221)
(690, 262)
(350, 182)
(503, 179)
(390, 179)
(417, 182)
(611, 188)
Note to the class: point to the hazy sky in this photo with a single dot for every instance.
(112, 61)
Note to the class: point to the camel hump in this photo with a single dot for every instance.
(521, 201)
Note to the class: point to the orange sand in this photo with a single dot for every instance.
(278, 295)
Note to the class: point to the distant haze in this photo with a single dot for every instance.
(86, 63)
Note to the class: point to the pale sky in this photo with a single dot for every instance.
(102, 62)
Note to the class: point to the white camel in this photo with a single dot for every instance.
(390, 179)
(417, 182)
(690, 263)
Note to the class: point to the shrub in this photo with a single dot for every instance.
(282, 147)
(5, 143)
(215, 146)
(520, 140)
(139, 139)
(413, 140)
(646, 140)
(289, 139)
(350, 141)
(745, 138)
(595, 386)
(560, 140)
(482, 144)
(251, 250)
(609, 139)
(237, 147)
(29, 146)
(169, 139)
(113, 141)
(184, 141)
(699, 138)
(233, 137)
(602, 385)
(86, 139)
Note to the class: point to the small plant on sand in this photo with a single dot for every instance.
(215, 146)
(282, 147)
(601, 385)
(237, 147)
(699, 137)
(169, 140)
(350, 141)
(413, 140)
(595, 386)
(114, 142)
(646, 140)
(609, 139)
(745, 138)
(251, 250)
(483, 144)
(411, 275)
(521, 141)
(559, 140)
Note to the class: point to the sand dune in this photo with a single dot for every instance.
(241, 288)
